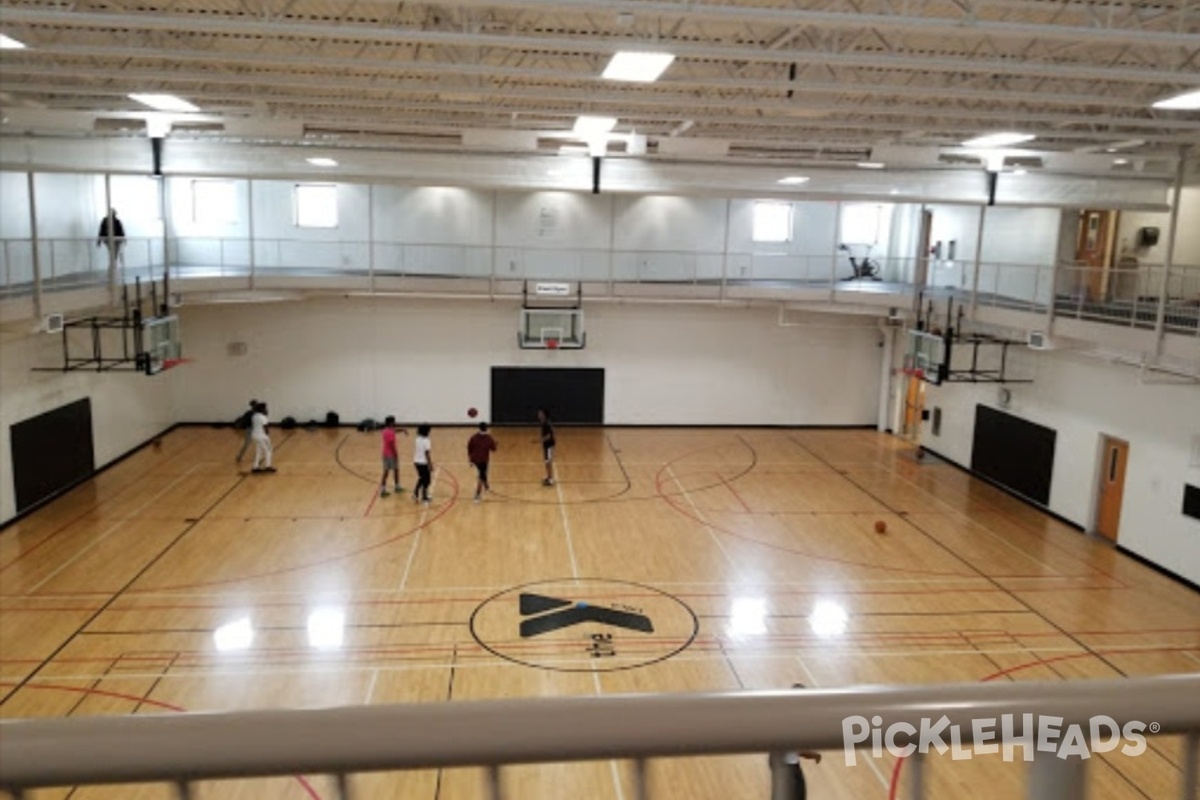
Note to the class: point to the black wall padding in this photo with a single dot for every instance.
(1014, 453)
(1191, 501)
(52, 452)
(572, 395)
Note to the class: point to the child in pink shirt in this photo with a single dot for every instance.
(391, 459)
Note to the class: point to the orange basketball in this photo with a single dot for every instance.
(880, 526)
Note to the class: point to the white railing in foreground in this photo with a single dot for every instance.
(192, 747)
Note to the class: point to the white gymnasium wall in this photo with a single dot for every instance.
(1017, 239)
(958, 224)
(430, 360)
(808, 255)
(15, 225)
(127, 409)
(1185, 282)
(1082, 399)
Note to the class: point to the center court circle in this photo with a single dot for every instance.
(584, 625)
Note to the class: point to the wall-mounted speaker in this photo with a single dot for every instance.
(1147, 237)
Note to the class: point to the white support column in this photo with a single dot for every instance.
(725, 245)
(885, 376)
(1191, 766)
(1160, 318)
(164, 206)
(108, 246)
(978, 262)
(34, 247)
(1053, 778)
(371, 237)
(250, 227)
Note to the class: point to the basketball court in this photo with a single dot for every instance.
(664, 560)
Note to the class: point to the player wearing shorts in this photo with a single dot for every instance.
(391, 458)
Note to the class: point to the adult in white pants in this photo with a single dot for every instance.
(262, 442)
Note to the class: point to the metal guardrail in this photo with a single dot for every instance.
(1129, 295)
(192, 747)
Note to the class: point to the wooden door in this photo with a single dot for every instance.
(1093, 250)
(1112, 487)
(914, 407)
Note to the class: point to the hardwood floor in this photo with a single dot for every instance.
(174, 582)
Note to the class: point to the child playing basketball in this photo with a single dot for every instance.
(547, 445)
(244, 422)
(479, 450)
(391, 459)
(262, 441)
(423, 461)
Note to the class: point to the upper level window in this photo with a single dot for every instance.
(772, 221)
(865, 223)
(214, 202)
(316, 205)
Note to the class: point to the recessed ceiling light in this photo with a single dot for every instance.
(870, 165)
(164, 102)
(322, 162)
(1188, 101)
(999, 139)
(793, 180)
(589, 126)
(9, 43)
(1019, 172)
(637, 67)
(1120, 162)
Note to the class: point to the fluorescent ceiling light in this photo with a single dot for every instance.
(1188, 101)
(870, 165)
(164, 102)
(637, 67)
(999, 139)
(322, 162)
(1120, 162)
(1019, 172)
(793, 180)
(590, 126)
(9, 43)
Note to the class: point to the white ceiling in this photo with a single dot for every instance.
(780, 83)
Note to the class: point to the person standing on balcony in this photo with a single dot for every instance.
(112, 233)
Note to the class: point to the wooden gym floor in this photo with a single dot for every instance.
(173, 582)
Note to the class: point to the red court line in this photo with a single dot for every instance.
(298, 567)
(658, 481)
(734, 492)
(1041, 662)
(304, 784)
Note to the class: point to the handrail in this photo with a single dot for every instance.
(201, 746)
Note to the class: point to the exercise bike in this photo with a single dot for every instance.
(865, 268)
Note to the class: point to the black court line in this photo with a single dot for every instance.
(619, 496)
(1004, 590)
(96, 614)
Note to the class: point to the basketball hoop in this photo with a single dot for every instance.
(552, 344)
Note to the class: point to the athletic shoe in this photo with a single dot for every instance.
(383, 493)
(399, 488)
(547, 482)
(270, 469)
(477, 498)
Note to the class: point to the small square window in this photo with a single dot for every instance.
(214, 202)
(316, 205)
(772, 222)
